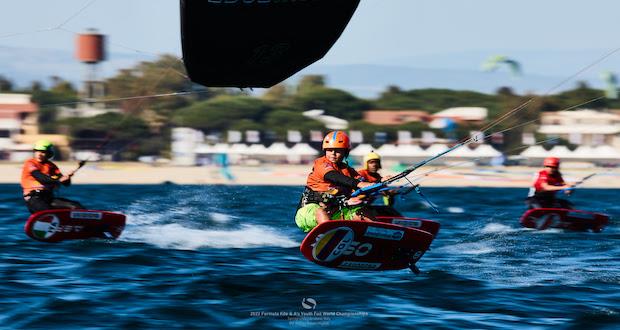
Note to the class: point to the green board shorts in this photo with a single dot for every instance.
(306, 216)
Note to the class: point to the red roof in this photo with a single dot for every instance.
(17, 111)
(11, 108)
(395, 117)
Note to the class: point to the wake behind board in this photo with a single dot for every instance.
(365, 245)
(65, 224)
(543, 218)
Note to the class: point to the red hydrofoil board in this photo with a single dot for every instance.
(60, 225)
(365, 245)
(417, 223)
(543, 218)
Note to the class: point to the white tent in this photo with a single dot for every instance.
(583, 152)
(303, 149)
(277, 149)
(256, 149)
(485, 150)
(388, 150)
(606, 152)
(361, 150)
(535, 152)
(461, 152)
(239, 148)
(436, 149)
(301, 153)
(203, 149)
(560, 152)
(410, 150)
(220, 148)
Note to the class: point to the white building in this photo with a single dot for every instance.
(471, 114)
(330, 122)
(18, 116)
(84, 110)
(185, 141)
(582, 127)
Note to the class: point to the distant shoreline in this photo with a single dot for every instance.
(295, 175)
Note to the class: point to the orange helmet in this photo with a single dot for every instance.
(552, 162)
(336, 140)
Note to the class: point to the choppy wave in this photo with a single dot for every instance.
(216, 257)
(176, 236)
(497, 228)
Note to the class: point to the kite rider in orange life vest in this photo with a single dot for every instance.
(331, 178)
(39, 179)
(548, 182)
(370, 173)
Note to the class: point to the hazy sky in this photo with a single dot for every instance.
(380, 29)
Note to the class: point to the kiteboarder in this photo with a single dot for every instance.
(40, 176)
(548, 182)
(372, 165)
(329, 185)
(370, 173)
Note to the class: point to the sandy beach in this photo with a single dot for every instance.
(271, 174)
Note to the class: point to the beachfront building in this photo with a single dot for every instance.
(595, 133)
(582, 127)
(19, 128)
(185, 142)
(331, 122)
(395, 117)
(472, 115)
(18, 116)
(85, 110)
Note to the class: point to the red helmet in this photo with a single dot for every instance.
(552, 162)
(336, 140)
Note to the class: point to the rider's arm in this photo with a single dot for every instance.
(44, 179)
(548, 187)
(343, 180)
(66, 180)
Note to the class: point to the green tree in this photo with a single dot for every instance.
(221, 113)
(128, 135)
(278, 95)
(281, 121)
(580, 95)
(434, 100)
(61, 92)
(335, 102)
(5, 84)
(310, 82)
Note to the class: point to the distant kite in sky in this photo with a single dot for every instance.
(611, 81)
(248, 43)
(494, 62)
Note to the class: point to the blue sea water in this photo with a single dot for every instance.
(200, 257)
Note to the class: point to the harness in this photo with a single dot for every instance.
(42, 193)
(333, 201)
(310, 196)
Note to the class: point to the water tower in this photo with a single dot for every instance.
(90, 50)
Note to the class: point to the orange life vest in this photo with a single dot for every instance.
(369, 177)
(29, 183)
(316, 179)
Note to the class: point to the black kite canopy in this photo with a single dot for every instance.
(258, 43)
